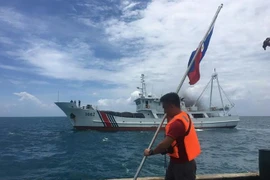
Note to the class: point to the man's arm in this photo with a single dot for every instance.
(161, 147)
(176, 130)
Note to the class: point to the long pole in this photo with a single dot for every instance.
(211, 91)
(202, 92)
(177, 90)
(220, 95)
(227, 97)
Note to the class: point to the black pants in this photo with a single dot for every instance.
(183, 171)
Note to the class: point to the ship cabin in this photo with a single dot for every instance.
(149, 106)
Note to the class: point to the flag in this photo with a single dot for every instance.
(194, 71)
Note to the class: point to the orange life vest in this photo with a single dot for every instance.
(191, 142)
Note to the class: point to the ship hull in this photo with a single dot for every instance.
(139, 128)
(91, 119)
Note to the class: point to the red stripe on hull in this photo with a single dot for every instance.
(106, 120)
(133, 128)
(117, 128)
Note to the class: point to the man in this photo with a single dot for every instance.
(181, 142)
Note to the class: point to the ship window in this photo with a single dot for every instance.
(198, 115)
(211, 115)
(146, 104)
(138, 102)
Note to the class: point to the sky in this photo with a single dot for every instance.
(95, 51)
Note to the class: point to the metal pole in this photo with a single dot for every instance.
(220, 95)
(211, 90)
(177, 90)
(232, 104)
(165, 160)
(202, 93)
(150, 145)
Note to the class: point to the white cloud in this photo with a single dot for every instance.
(12, 17)
(15, 82)
(50, 59)
(123, 101)
(17, 20)
(7, 108)
(157, 41)
(6, 40)
(38, 82)
(27, 96)
(24, 82)
(112, 102)
(134, 95)
(119, 103)
(8, 67)
(24, 96)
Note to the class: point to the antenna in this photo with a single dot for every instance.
(152, 90)
(143, 88)
(58, 97)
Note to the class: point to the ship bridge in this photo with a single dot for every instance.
(147, 104)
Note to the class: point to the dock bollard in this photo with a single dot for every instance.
(264, 164)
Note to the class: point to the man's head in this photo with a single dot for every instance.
(171, 104)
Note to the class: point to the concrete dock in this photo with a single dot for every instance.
(233, 176)
(263, 174)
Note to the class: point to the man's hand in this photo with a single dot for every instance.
(147, 152)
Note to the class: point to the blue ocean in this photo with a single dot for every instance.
(49, 148)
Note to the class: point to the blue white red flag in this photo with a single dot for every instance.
(194, 71)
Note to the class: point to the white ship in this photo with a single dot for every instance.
(149, 114)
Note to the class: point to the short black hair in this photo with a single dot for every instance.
(171, 98)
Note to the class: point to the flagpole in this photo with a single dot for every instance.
(177, 91)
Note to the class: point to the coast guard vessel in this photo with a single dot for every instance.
(149, 114)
